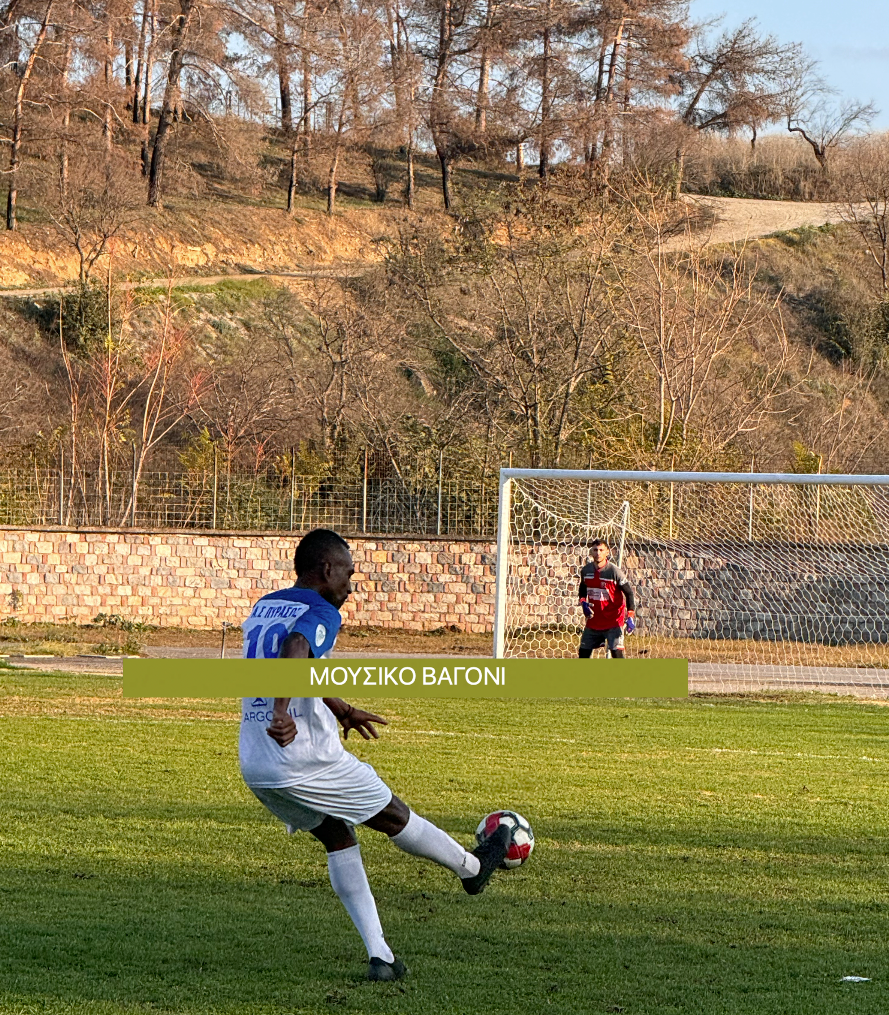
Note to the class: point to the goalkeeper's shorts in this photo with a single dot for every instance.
(591, 640)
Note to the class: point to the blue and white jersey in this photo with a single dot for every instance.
(317, 745)
(282, 613)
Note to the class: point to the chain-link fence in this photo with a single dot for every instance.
(268, 501)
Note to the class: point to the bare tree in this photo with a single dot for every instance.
(865, 198)
(172, 97)
(692, 316)
(164, 391)
(529, 321)
(735, 79)
(94, 204)
(827, 128)
(15, 143)
(810, 110)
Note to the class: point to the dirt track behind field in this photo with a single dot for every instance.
(740, 219)
(734, 221)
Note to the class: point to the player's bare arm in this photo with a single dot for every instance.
(352, 718)
(282, 728)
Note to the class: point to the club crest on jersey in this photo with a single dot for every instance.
(320, 635)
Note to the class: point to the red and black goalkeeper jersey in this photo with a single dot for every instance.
(609, 594)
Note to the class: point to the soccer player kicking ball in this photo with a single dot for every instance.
(608, 603)
(294, 762)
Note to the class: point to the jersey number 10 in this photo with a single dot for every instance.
(271, 643)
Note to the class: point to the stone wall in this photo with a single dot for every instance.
(198, 580)
(817, 593)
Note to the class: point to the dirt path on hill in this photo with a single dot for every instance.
(733, 220)
(344, 270)
(738, 219)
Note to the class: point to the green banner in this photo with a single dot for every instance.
(405, 678)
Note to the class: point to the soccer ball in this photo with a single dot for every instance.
(521, 836)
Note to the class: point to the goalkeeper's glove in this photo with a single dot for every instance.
(587, 609)
(631, 621)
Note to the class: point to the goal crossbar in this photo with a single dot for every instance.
(755, 478)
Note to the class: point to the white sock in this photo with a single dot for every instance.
(421, 838)
(349, 881)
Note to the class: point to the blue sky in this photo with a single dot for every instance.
(850, 39)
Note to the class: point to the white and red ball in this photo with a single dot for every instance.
(521, 836)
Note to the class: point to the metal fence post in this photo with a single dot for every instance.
(672, 468)
(440, 470)
(215, 484)
(364, 497)
(61, 485)
(750, 508)
(818, 500)
(292, 483)
(133, 491)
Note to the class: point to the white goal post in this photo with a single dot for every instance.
(785, 573)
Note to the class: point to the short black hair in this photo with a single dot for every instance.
(314, 548)
(599, 541)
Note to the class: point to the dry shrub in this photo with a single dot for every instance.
(776, 167)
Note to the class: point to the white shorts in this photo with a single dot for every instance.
(348, 789)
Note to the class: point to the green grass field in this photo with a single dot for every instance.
(701, 856)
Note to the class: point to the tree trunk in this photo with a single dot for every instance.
(146, 94)
(170, 103)
(64, 70)
(819, 150)
(306, 73)
(409, 189)
(445, 179)
(439, 114)
(543, 165)
(678, 174)
(608, 137)
(481, 98)
(332, 181)
(140, 60)
(286, 103)
(107, 117)
(282, 65)
(15, 150)
(294, 178)
(484, 71)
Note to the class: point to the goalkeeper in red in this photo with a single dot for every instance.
(608, 603)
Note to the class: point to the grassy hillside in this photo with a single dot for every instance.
(397, 344)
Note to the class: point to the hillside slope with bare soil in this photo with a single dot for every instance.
(215, 238)
(208, 238)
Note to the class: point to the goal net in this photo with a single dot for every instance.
(758, 580)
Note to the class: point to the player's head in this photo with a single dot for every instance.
(323, 563)
(599, 551)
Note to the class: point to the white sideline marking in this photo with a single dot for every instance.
(784, 754)
(479, 736)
